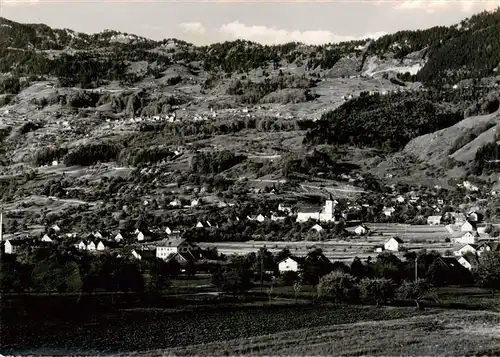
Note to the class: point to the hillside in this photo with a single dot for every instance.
(85, 117)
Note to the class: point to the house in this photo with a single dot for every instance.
(119, 237)
(140, 236)
(199, 225)
(450, 228)
(175, 245)
(144, 254)
(483, 247)
(400, 199)
(277, 218)
(175, 203)
(91, 246)
(474, 217)
(467, 261)
(322, 214)
(181, 258)
(168, 230)
(467, 238)
(283, 208)
(379, 249)
(361, 229)
(290, 264)
(97, 235)
(393, 244)
(317, 228)
(12, 246)
(46, 238)
(434, 220)
(101, 246)
(195, 202)
(81, 245)
(55, 228)
(468, 227)
(456, 217)
(468, 248)
(388, 211)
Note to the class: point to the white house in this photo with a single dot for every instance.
(434, 220)
(465, 262)
(361, 229)
(81, 245)
(288, 264)
(379, 249)
(12, 246)
(322, 214)
(118, 237)
(450, 228)
(468, 248)
(171, 246)
(388, 211)
(199, 225)
(317, 228)
(55, 228)
(283, 208)
(467, 238)
(91, 246)
(393, 244)
(468, 227)
(195, 202)
(97, 235)
(101, 246)
(400, 199)
(168, 230)
(140, 236)
(175, 203)
(46, 238)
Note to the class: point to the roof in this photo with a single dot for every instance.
(299, 260)
(184, 256)
(397, 239)
(172, 242)
(16, 242)
(434, 217)
(146, 254)
(310, 209)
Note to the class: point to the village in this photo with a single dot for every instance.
(458, 236)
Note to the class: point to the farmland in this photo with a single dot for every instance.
(415, 238)
(150, 329)
(450, 333)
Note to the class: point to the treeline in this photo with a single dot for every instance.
(92, 153)
(317, 162)
(254, 92)
(487, 159)
(69, 271)
(136, 157)
(214, 162)
(466, 138)
(385, 122)
(224, 127)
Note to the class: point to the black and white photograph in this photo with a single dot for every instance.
(249, 178)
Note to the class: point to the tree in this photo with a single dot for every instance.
(338, 286)
(234, 278)
(414, 290)
(487, 271)
(378, 291)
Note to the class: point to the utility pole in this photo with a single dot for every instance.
(261, 270)
(416, 269)
(1, 225)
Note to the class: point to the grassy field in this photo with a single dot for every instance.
(445, 333)
(149, 329)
